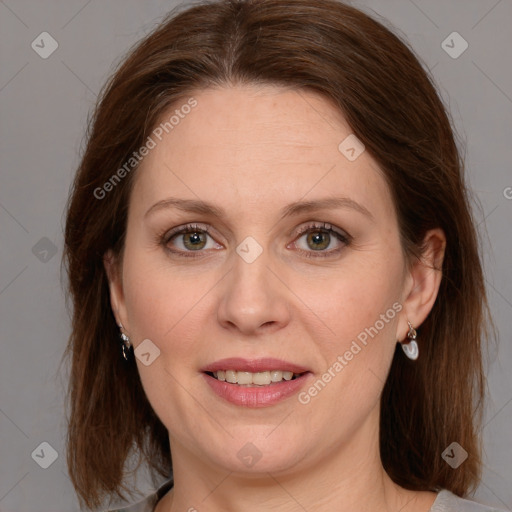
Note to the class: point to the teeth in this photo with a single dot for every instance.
(253, 379)
(276, 376)
(231, 376)
(244, 378)
(261, 378)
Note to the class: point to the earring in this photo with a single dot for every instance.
(411, 348)
(126, 345)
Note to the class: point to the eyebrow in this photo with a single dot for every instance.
(296, 208)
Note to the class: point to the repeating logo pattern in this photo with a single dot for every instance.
(41, 55)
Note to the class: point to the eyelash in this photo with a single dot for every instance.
(188, 228)
(310, 228)
(324, 227)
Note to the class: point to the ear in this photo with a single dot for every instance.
(422, 282)
(113, 269)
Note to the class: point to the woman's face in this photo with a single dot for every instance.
(302, 264)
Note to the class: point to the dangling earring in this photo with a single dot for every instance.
(126, 345)
(411, 349)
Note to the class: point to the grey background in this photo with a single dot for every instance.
(43, 110)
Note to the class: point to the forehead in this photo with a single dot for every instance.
(259, 146)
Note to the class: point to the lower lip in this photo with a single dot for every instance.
(257, 396)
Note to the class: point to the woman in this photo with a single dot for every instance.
(275, 272)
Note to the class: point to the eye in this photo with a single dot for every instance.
(188, 239)
(313, 240)
(322, 239)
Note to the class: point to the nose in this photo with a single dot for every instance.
(253, 300)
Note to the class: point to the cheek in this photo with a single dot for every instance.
(354, 297)
(167, 307)
(354, 327)
(159, 298)
(358, 322)
(172, 308)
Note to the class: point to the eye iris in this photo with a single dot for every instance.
(320, 238)
(194, 241)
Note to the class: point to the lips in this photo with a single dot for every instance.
(254, 365)
(255, 395)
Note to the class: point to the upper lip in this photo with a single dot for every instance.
(253, 365)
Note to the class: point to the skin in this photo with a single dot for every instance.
(251, 151)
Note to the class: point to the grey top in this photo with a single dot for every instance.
(446, 501)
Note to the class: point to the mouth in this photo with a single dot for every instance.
(251, 379)
(255, 383)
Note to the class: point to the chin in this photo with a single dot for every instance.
(257, 454)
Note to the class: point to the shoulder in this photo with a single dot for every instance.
(446, 501)
(148, 504)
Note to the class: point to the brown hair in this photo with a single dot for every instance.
(392, 106)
